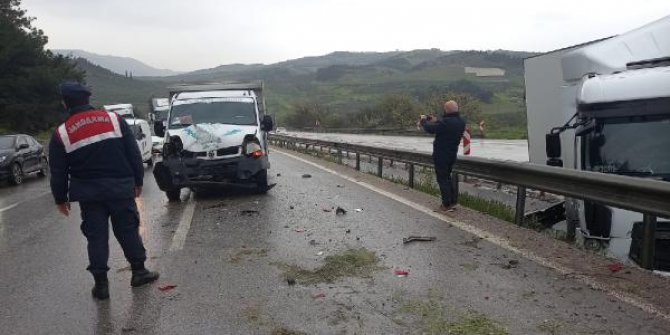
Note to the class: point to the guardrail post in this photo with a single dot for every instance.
(520, 205)
(648, 242)
(380, 166)
(339, 156)
(411, 175)
(358, 161)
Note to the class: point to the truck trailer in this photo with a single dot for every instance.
(604, 106)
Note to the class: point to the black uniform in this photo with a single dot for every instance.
(448, 132)
(95, 160)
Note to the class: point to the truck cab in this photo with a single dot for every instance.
(158, 115)
(216, 134)
(604, 106)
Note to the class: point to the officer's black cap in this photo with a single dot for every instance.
(73, 89)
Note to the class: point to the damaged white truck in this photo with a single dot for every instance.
(216, 135)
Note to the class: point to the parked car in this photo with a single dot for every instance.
(21, 155)
(142, 134)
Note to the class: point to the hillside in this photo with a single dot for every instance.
(119, 65)
(111, 88)
(344, 83)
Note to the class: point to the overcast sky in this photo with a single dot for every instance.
(193, 34)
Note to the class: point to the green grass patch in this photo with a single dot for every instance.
(491, 207)
(433, 320)
(360, 263)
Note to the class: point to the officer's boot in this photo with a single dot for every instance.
(101, 289)
(141, 275)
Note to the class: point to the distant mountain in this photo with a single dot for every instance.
(111, 88)
(119, 65)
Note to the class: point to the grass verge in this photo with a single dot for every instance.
(351, 263)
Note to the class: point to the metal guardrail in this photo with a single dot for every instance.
(649, 197)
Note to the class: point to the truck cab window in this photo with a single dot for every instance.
(635, 146)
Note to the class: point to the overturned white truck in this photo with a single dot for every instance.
(216, 134)
(604, 106)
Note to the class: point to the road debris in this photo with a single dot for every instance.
(512, 263)
(312, 242)
(418, 238)
(340, 186)
(318, 296)
(401, 273)
(290, 281)
(348, 231)
(320, 253)
(300, 230)
(358, 210)
(327, 210)
(307, 175)
(291, 207)
(166, 287)
(278, 174)
(615, 267)
(249, 212)
(218, 205)
(340, 211)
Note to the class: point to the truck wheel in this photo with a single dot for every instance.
(262, 181)
(173, 194)
(17, 174)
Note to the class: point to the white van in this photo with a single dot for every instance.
(125, 111)
(142, 134)
(216, 135)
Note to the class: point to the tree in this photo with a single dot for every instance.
(469, 106)
(29, 74)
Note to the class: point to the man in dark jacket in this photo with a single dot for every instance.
(448, 131)
(94, 159)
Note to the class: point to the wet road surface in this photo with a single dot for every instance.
(229, 269)
(514, 150)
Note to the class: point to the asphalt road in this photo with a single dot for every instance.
(226, 252)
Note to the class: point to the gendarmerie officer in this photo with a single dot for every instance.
(94, 160)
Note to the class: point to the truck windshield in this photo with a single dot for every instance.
(223, 112)
(635, 146)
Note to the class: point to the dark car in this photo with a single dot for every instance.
(19, 156)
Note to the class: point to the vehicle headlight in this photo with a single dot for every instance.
(2, 158)
(253, 149)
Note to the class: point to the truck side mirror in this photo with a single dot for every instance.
(553, 149)
(267, 124)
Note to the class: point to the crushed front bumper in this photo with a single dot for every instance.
(177, 172)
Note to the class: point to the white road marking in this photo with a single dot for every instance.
(499, 241)
(179, 237)
(20, 202)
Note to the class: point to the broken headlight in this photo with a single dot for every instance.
(253, 149)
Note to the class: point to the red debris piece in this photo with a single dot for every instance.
(615, 267)
(320, 295)
(300, 230)
(166, 287)
(402, 273)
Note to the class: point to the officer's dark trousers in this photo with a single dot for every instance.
(125, 224)
(443, 173)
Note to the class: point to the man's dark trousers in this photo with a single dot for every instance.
(125, 224)
(448, 190)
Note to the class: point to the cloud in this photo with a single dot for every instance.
(187, 35)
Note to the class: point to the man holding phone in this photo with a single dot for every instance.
(448, 130)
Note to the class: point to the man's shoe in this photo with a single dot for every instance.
(142, 277)
(450, 209)
(101, 290)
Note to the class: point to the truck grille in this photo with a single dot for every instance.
(218, 153)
